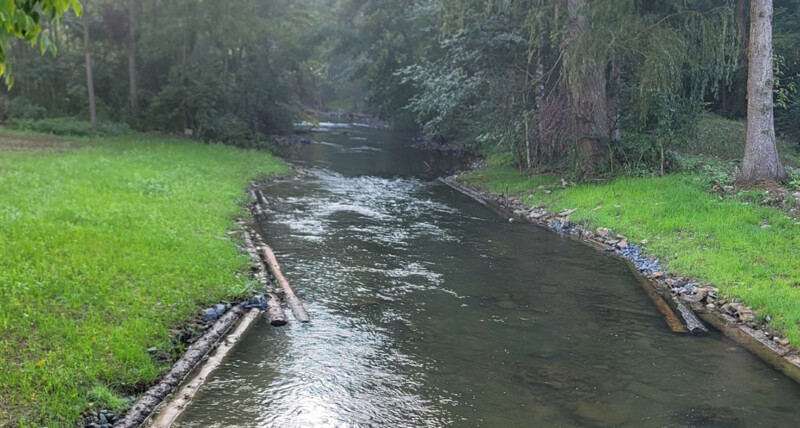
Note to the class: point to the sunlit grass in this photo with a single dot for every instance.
(103, 249)
(750, 252)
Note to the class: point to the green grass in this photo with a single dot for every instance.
(724, 139)
(695, 233)
(105, 244)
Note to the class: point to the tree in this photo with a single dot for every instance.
(132, 57)
(761, 160)
(89, 79)
(21, 19)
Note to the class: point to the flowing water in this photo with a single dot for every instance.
(429, 310)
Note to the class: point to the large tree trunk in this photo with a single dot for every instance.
(88, 57)
(761, 161)
(132, 57)
(587, 91)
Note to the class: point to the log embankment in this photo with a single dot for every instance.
(696, 303)
(161, 405)
(151, 399)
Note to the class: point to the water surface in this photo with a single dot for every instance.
(430, 311)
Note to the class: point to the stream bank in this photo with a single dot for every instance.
(734, 319)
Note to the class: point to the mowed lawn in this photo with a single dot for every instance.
(105, 244)
(750, 252)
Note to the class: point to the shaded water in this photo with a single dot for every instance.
(429, 310)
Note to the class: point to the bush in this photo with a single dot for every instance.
(227, 129)
(22, 108)
(641, 154)
(73, 127)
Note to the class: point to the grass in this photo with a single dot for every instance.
(723, 139)
(750, 252)
(105, 244)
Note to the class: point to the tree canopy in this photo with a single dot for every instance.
(581, 86)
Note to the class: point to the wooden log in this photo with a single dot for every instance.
(186, 394)
(291, 299)
(672, 320)
(694, 325)
(274, 312)
(194, 355)
(261, 199)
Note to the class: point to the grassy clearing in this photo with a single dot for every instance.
(104, 245)
(750, 252)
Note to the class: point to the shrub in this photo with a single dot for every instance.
(22, 108)
(73, 127)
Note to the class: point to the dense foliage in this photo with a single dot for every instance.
(226, 71)
(585, 86)
(569, 85)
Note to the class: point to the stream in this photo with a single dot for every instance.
(429, 310)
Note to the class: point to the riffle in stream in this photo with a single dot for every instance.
(429, 310)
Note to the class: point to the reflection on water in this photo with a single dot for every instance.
(430, 311)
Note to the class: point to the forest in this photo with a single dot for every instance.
(585, 87)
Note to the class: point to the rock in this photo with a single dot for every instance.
(564, 222)
(691, 298)
(781, 340)
(647, 391)
(622, 244)
(506, 304)
(103, 418)
(210, 315)
(603, 232)
(658, 274)
(745, 314)
(710, 306)
(701, 293)
(601, 414)
(152, 350)
(368, 301)
(92, 425)
(717, 415)
(565, 213)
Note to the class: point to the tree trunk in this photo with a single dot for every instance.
(761, 161)
(587, 92)
(132, 57)
(88, 57)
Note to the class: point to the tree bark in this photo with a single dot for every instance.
(88, 57)
(587, 92)
(132, 57)
(761, 160)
